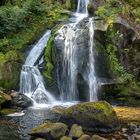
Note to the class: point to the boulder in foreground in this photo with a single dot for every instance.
(49, 131)
(92, 116)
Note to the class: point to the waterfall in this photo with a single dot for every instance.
(82, 6)
(93, 85)
(68, 81)
(31, 80)
(69, 33)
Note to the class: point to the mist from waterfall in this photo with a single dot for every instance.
(31, 80)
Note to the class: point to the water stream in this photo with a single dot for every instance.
(31, 80)
(93, 85)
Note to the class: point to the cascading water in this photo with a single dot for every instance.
(82, 6)
(31, 80)
(68, 83)
(69, 33)
(93, 85)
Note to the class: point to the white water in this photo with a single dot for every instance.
(93, 85)
(69, 34)
(31, 80)
(82, 6)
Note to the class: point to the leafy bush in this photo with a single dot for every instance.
(14, 18)
(109, 10)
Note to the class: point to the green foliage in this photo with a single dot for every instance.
(117, 68)
(109, 10)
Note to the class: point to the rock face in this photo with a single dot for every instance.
(82, 60)
(20, 100)
(50, 131)
(94, 116)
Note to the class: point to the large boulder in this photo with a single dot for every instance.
(49, 131)
(20, 100)
(92, 116)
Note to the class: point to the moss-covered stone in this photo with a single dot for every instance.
(4, 97)
(10, 65)
(65, 138)
(8, 111)
(95, 116)
(76, 131)
(49, 130)
(85, 137)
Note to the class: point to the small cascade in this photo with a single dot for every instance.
(31, 80)
(82, 6)
(93, 85)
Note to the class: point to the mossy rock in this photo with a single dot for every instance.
(8, 111)
(10, 66)
(65, 138)
(4, 97)
(49, 130)
(76, 131)
(92, 116)
(85, 137)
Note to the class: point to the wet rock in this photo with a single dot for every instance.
(93, 116)
(85, 137)
(124, 130)
(91, 8)
(8, 111)
(137, 137)
(4, 98)
(76, 131)
(96, 137)
(39, 139)
(65, 138)
(20, 100)
(49, 131)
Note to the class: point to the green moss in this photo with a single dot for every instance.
(9, 111)
(121, 74)
(10, 65)
(4, 97)
(50, 60)
(109, 10)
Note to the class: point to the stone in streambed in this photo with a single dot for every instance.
(85, 137)
(65, 138)
(76, 131)
(20, 100)
(96, 137)
(49, 131)
(92, 116)
(4, 98)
